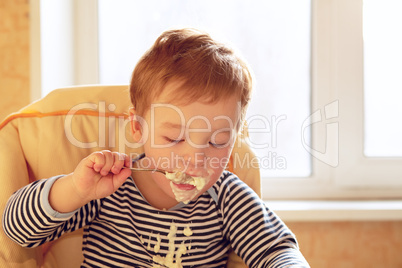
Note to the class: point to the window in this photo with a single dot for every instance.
(316, 108)
(64, 44)
(382, 78)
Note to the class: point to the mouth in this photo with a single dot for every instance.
(186, 182)
(184, 186)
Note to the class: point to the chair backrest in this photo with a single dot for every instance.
(50, 136)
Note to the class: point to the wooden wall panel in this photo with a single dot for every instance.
(350, 244)
(14, 56)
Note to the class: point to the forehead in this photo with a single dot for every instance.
(172, 110)
(182, 92)
(222, 114)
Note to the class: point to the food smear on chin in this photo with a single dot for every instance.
(181, 184)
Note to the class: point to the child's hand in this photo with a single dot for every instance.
(100, 174)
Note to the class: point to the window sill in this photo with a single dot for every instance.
(291, 211)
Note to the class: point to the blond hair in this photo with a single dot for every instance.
(208, 70)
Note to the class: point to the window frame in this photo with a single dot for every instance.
(340, 171)
(74, 55)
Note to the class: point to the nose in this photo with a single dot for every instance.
(195, 159)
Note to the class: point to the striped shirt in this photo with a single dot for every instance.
(123, 230)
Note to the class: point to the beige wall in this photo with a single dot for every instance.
(14, 55)
(328, 244)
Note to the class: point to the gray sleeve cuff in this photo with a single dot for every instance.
(45, 201)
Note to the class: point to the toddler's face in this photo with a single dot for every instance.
(196, 139)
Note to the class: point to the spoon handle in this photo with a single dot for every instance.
(149, 169)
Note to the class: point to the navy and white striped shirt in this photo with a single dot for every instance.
(123, 230)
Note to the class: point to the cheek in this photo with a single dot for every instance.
(157, 157)
(219, 160)
(217, 164)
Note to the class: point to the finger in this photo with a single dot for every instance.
(128, 162)
(97, 161)
(119, 162)
(109, 160)
(120, 178)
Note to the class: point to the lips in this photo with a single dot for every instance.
(184, 187)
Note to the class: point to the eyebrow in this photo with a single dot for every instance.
(179, 126)
(171, 125)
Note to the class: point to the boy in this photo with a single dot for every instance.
(189, 96)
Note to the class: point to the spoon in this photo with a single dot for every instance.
(141, 156)
(167, 174)
(149, 169)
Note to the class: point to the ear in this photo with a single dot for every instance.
(136, 130)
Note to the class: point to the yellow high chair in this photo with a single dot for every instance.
(50, 136)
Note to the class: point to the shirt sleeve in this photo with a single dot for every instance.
(30, 221)
(45, 201)
(256, 233)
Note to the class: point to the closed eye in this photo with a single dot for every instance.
(173, 140)
(218, 145)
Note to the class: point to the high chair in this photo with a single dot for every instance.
(50, 136)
